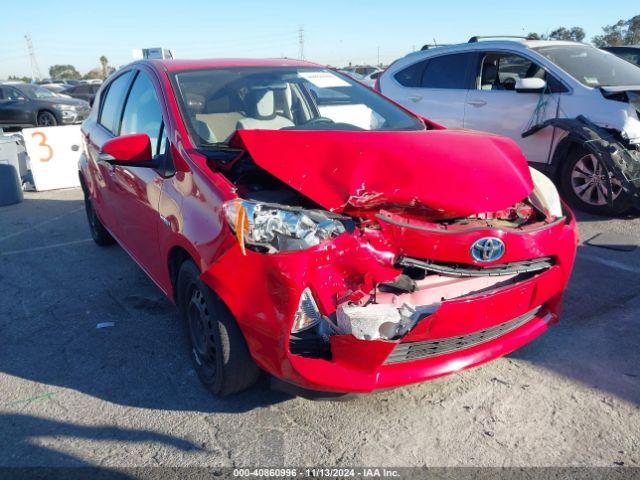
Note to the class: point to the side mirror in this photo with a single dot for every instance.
(128, 150)
(530, 85)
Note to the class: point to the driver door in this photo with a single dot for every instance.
(495, 106)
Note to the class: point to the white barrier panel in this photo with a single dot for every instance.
(54, 153)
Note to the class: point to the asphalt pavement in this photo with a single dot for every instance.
(94, 372)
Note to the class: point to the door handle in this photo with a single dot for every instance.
(477, 103)
(415, 98)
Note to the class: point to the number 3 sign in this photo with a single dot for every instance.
(53, 156)
(43, 143)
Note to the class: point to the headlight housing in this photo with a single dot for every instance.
(67, 107)
(545, 195)
(274, 228)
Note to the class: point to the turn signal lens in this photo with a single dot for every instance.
(307, 315)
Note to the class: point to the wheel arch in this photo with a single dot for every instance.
(560, 155)
(177, 255)
(48, 110)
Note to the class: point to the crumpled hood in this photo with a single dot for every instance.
(456, 172)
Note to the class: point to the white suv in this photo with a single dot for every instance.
(578, 108)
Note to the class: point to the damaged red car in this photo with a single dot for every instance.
(307, 226)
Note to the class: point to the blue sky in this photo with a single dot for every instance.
(335, 32)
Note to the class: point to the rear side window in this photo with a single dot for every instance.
(142, 113)
(112, 104)
(412, 75)
(447, 71)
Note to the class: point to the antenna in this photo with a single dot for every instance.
(301, 42)
(35, 70)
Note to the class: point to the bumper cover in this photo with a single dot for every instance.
(263, 292)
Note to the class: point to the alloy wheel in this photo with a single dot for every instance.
(589, 181)
(45, 119)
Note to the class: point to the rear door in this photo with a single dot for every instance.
(493, 105)
(436, 88)
(135, 191)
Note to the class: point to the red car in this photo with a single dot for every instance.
(307, 226)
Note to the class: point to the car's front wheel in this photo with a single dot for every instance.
(47, 119)
(585, 187)
(219, 352)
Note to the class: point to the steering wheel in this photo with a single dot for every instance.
(313, 121)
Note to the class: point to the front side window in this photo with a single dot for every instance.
(142, 112)
(592, 67)
(217, 102)
(500, 71)
(447, 71)
(112, 103)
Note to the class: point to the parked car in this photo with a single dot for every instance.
(567, 105)
(54, 87)
(630, 53)
(307, 226)
(83, 91)
(370, 79)
(26, 105)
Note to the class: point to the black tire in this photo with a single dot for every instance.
(218, 350)
(574, 179)
(99, 234)
(47, 119)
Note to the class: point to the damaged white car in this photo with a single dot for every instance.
(573, 109)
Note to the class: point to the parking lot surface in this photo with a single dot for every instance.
(94, 371)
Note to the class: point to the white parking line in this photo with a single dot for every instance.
(609, 263)
(45, 247)
(15, 234)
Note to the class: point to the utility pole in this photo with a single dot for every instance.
(35, 70)
(301, 42)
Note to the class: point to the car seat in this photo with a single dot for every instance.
(261, 112)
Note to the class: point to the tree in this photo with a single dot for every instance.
(15, 78)
(104, 61)
(64, 71)
(94, 74)
(574, 34)
(624, 32)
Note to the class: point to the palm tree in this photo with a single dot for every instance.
(104, 61)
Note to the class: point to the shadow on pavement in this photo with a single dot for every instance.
(53, 300)
(24, 436)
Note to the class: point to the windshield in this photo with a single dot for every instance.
(592, 67)
(218, 102)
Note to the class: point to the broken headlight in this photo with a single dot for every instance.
(274, 228)
(545, 195)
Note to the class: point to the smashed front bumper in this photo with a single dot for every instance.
(263, 292)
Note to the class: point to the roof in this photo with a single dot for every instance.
(177, 65)
(521, 45)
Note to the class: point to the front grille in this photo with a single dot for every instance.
(405, 352)
(463, 270)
